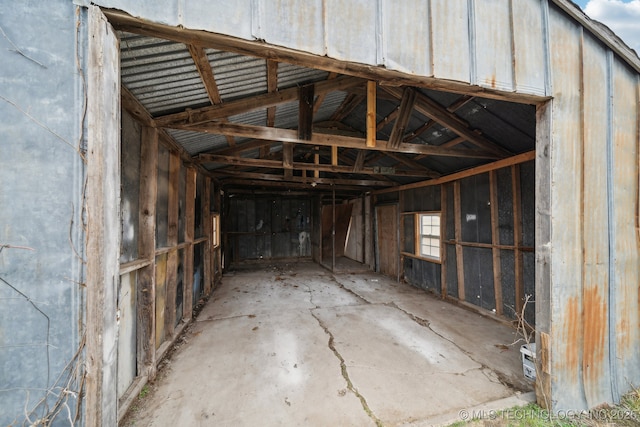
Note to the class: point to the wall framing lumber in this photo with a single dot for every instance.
(146, 294)
(517, 237)
(172, 241)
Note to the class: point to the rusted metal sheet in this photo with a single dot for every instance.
(566, 240)
(493, 44)
(408, 50)
(450, 39)
(352, 31)
(529, 37)
(595, 221)
(624, 271)
(284, 21)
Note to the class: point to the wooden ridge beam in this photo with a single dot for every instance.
(291, 135)
(253, 103)
(431, 109)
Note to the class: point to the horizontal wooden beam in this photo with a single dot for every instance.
(253, 103)
(291, 135)
(276, 164)
(515, 160)
(302, 179)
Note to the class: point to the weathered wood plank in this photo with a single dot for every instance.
(305, 112)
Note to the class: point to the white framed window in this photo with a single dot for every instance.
(428, 235)
(215, 230)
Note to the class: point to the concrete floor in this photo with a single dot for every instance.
(294, 344)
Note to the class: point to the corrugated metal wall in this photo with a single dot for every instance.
(41, 183)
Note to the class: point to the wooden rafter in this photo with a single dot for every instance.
(459, 103)
(388, 119)
(406, 109)
(289, 135)
(320, 98)
(203, 66)
(253, 103)
(429, 108)
(347, 106)
(413, 164)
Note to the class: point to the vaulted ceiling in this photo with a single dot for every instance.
(254, 122)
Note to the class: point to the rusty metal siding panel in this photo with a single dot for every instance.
(450, 40)
(283, 22)
(161, 11)
(528, 46)
(493, 44)
(408, 50)
(351, 30)
(221, 16)
(595, 225)
(625, 273)
(566, 238)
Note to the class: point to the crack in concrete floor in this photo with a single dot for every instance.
(345, 373)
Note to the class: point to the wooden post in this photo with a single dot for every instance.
(208, 247)
(334, 155)
(443, 246)
(371, 113)
(103, 221)
(287, 159)
(189, 230)
(495, 240)
(146, 325)
(517, 236)
(316, 161)
(172, 241)
(458, 234)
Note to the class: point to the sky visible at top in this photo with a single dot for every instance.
(622, 16)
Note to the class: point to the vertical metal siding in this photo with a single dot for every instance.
(595, 363)
(625, 252)
(493, 44)
(450, 39)
(351, 30)
(282, 22)
(408, 50)
(566, 256)
(528, 47)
